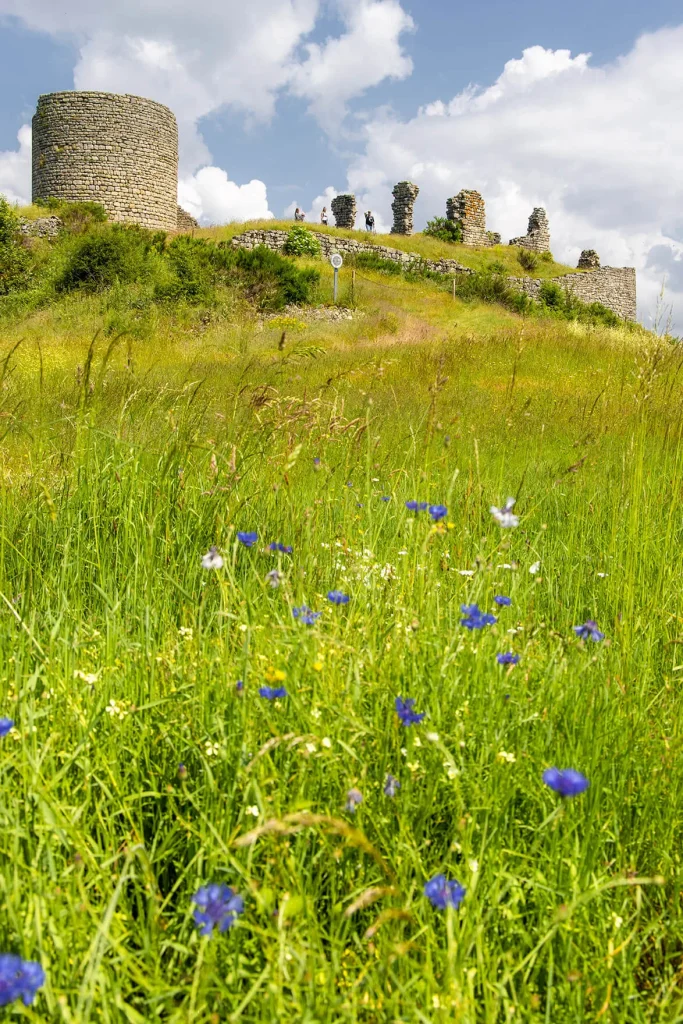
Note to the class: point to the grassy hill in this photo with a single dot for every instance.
(141, 428)
(430, 248)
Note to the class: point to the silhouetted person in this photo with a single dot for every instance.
(369, 221)
(323, 216)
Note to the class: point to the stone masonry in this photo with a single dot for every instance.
(186, 222)
(469, 211)
(588, 260)
(42, 227)
(537, 238)
(614, 287)
(405, 194)
(344, 211)
(120, 151)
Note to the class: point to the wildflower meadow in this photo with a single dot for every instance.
(341, 681)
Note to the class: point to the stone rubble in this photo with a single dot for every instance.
(588, 260)
(43, 227)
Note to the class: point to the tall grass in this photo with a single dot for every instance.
(126, 458)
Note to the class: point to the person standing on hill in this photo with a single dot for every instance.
(323, 216)
(297, 214)
(369, 221)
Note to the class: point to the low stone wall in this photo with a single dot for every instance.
(614, 287)
(43, 227)
(275, 239)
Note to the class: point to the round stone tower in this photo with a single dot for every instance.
(120, 151)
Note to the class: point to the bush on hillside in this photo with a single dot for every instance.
(271, 281)
(109, 255)
(301, 242)
(371, 261)
(527, 259)
(76, 218)
(15, 259)
(443, 229)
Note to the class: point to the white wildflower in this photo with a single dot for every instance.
(504, 516)
(273, 578)
(212, 560)
(253, 810)
(504, 755)
(466, 572)
(535, 568)
(327, 742)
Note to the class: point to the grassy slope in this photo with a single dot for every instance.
(113, 488)
(423, 245)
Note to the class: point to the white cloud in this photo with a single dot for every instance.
(213, 199)
(325, 200)
(365, 55)
(600, 147)
(15, 169)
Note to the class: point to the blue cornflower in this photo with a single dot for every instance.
(417, 506)
(349, 483)
(338, 597)
(502, 602)
(248, 539)
(404, 710)
(475, 618)
(386, 497)
(354, 797)
(316, 462)
(182, 772)
(239, 685)
(438, 512)
(305, 615)
(589, 631)
(391, 785)
(508, 658)
(6, 725)
(442, 892)
(565, 781)
(19, 979)
(286, 549)
(217, 905)
(272, 692)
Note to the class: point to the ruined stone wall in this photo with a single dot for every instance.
(405, 194)
(120, 151)
(186, 222)
(344, 210)
(537, 238)
(614, 287)
(275, 239)
(469, 211)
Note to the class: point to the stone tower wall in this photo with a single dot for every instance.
(120, 151)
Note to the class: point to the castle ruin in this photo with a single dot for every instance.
(405, 194)
(537, 238)
(120, 151)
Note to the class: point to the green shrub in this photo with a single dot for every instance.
(15, 258)
(301, 242)
(75, 217)
(553, 295)
(527, 259)
(547, 256)
(371, 261)
(443, 229)
(100, 258)
(193, 270)
(271, 281)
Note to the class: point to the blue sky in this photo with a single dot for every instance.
(288, 101)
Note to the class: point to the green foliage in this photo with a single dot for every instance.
(301, 242)
(371, 261)
(527, 259)
(270, 281)
(100, 258)
(547, 257)
(76, 218)
(444, 229)
(15, 259)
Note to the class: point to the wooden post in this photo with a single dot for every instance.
(353, 286)
(453, 287)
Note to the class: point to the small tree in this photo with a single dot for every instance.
(300, 242)
(15, 259)
(443, 229)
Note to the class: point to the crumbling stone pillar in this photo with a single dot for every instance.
(344, 211)
(469, 211)
(588, 260)
(537, 238)
(405, 194)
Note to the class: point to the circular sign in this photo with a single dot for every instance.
(336, 260)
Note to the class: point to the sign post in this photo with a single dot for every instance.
(336, 261)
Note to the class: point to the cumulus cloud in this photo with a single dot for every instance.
(599, 147)
(15, 169)
(212, 198)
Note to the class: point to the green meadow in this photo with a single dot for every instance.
(136, 436)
